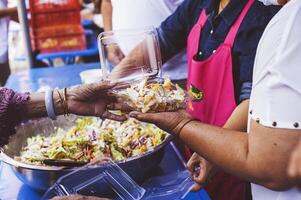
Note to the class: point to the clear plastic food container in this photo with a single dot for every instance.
(105, 179)
(128, 55)
(152, 95)
(102, 178)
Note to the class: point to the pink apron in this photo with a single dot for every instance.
(211, 88)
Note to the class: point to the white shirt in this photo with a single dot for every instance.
(137, 14)
(276, 95)
(3, 35)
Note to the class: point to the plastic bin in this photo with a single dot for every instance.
(55, 19)
(60, 43)
(53, 31)
(48, 6)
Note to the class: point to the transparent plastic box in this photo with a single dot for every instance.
(128, 55)
(102, 178)
(105, 179)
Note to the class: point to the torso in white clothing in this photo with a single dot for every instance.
(276, 95)
(137, 14)
(3, 34)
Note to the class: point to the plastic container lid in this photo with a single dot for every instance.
(102, 178)
(123, 48)
(172, 186)
(106, 179)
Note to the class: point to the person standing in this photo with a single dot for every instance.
(221, 37)
(137, 14)
(260, 155)
(4, 21)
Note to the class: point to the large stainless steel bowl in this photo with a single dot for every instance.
(42, 177)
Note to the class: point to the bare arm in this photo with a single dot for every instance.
(237, 121)
(239, 118)
(35, 107)
(9, 12)
(106, 10)
(85, 100)
(249, 156)
(260, 157)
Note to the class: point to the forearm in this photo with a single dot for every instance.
(106, 10)
(239, 118)
(35, 107)
(8, 12)
(133, 63)
(249, 156)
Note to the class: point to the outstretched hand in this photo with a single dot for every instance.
(92, 100)
(171, 122)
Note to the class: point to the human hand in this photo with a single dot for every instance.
(114, 54)
(201, 170)
(78, 197)
(92, 100)
(294, 168)
(171, 122)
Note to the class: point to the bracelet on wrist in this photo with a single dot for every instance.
(63, 101)
(182, 125)
(49, 104)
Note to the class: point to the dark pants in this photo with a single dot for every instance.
(4, 73)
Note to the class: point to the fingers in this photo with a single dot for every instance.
(109, 115)
(196, 187)
(192, 162)
(145, 117)
(100, 86)
(120, 106)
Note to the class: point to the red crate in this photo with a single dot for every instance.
(55, 19)
(53, 31)
(46, 6)
(60, 43)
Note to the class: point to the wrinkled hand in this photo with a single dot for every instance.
(171, 122)
(92, 100)
(78, 197)
(201, 170)
(294, 169)
(114, 54)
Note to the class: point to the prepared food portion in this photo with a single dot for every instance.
(90, 139)
(154, 96)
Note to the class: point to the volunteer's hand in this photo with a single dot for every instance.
(114, 54)
(92, 100)
(78, 197)
(201, 170)
(294, 169)
(171, 122)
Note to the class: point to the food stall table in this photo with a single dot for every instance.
(12, 188)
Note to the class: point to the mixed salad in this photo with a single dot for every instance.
(154, 96)
(91, 139)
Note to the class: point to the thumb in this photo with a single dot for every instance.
(100, 86)
(145, 117)
(196, 187)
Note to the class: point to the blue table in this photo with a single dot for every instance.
(12, 188)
